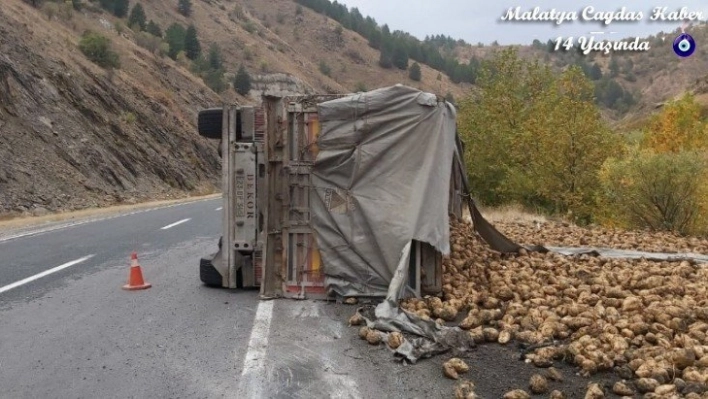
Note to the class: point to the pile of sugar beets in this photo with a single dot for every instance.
(646, 321)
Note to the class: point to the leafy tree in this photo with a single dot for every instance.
(185, 7)
(137, 17)
(242, 81)
(154, 29)
(450, 98)
(97, 48)
(414, 72)
(533, 137)
(175, 36)
(192, 47)
(678, 127)
(573, 142)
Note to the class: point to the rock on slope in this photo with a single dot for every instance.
(73, 135)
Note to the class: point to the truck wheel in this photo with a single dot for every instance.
(209, 123)
(208, 273)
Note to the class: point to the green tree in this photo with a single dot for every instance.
(614, 67)
(120, 8)
(154, 29)
(242, 81)
(414, 72)
(175, 36)
(137, 17)
(533, 137)
(192, 47)
(375, 39)
(572, 143)
(595, 72)
(386, 57)
(400, 56)
(97, 48)
(185, 7)
(215, 59)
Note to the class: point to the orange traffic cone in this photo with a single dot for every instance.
(135, 277)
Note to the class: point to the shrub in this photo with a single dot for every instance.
(414, 72)
(659, 191)
(50, 10)
(148, 42)
(325, 69)
(214, 79)
(242, 81)
(97, 48)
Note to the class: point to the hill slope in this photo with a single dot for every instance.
(75, 135)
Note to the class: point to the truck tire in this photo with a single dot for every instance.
(208, 273)
(209, 123)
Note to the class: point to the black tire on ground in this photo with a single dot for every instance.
(208, 273)
(210, 122)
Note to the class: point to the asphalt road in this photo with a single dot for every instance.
(68, 330)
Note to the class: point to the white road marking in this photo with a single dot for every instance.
(219, 208)
(169, 226)
(254, 362)
(44, 273)
(79, 223)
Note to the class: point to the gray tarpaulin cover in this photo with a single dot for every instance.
(380, 180)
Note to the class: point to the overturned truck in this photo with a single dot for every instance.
(331, 196)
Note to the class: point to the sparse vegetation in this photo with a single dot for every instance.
(97, 48)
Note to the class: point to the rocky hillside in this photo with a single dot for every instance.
(74, 135)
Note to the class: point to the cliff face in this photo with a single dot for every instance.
(73, 135)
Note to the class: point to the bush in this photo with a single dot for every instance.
(148, 42)
(214, 79)
(325, 69)
(242, 81)
(659, 191)
(414, 72)
(97, 48)
(50, 10)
